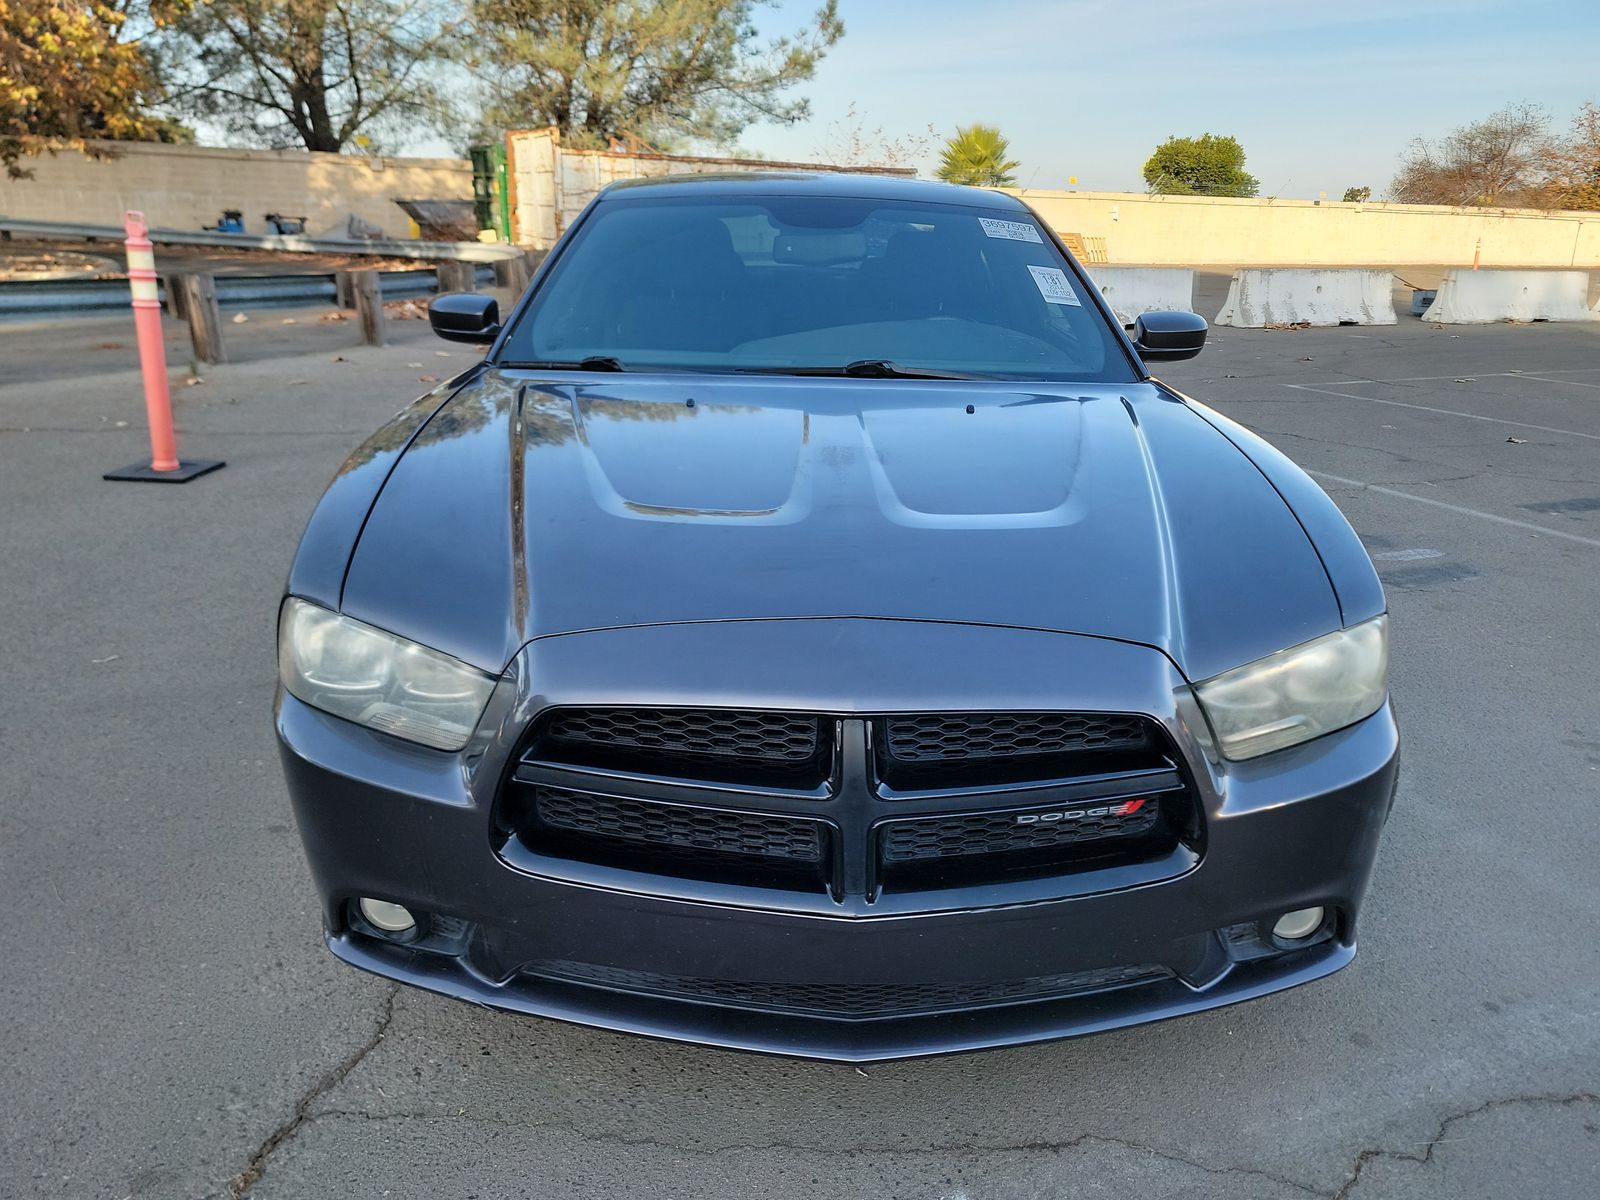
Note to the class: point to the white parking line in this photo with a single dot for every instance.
(1562, 382)
(1481, 375)
(1405, 555)
(1542, 530)
(1448, 412)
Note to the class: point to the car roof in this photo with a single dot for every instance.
(852, 184)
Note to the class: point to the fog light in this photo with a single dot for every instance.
(1291, 927)
(396, 918)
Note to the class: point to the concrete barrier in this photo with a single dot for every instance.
(1477, 297)
(1314, 297)
(1293, 296)
(1134, 290)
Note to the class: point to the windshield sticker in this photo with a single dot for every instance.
(1053, 285)
(1016, 231)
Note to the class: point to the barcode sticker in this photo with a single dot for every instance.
(1016, 231)
(1053, 285)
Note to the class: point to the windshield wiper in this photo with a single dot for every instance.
(883, 368)
(863, 368)
(595, 362)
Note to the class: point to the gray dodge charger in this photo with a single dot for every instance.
(810, 629)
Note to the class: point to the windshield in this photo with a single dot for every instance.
(815, 284)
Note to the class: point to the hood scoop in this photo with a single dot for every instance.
(998, 466)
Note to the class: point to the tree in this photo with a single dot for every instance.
(321, 74)
(977, 156)
(74, 71)
(1357, 195)
(1572, 164)
(661, 70)
(1498, 160)
(1209, 165)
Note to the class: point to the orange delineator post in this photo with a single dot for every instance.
(152, 354)
(164, 466)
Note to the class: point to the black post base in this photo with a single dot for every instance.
(188, 469)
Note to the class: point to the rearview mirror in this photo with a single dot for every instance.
(822, 247)
(465, 317)
(1169, 336)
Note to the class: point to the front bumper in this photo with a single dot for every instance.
(382, 819)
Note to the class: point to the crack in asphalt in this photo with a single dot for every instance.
(239, 1186)
(1367, 1157)
(1033, 1147)
(1363, 1159)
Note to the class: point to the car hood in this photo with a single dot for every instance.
(532, 505)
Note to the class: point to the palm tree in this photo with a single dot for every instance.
(977, 156)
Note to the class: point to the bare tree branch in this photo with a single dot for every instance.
(1498, 160)
(331, 71)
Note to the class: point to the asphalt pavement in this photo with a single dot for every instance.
(174, 1028)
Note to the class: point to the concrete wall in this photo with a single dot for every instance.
(550, 183)
(1197, 231)
(186, 187)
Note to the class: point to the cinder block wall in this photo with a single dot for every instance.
(187, 187)
(1197, 231)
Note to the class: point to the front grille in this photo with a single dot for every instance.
(946, 737)
(963, 835)
(928, 750)
(682, 827)
(691, 743)
(957, 849)
(847, 1000)
(849, 807)
(756, 737)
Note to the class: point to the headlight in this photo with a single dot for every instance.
(377, 679)
(1301, 693)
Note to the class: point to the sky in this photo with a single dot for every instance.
(1323, 96)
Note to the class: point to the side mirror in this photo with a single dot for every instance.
(465, 317)
(1169, 336)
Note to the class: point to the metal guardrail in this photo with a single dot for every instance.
(95, 297)
(480, 252)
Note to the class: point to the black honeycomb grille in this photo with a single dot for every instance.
(754, 736)
(930, 839)
(848, 1000)
(758, 748)
(944, 737)
(680, 827)
(779, 800)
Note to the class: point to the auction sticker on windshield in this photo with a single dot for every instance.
(1016, 231)
(1053, 285)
